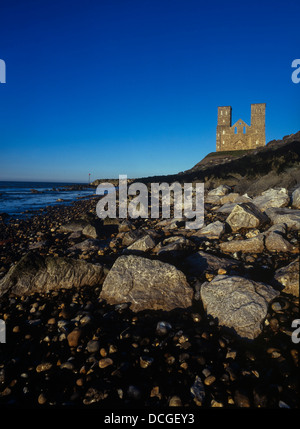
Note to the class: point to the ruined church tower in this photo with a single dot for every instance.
(241, 136)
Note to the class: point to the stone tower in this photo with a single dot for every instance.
(241, 136)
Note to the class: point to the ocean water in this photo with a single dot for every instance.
(17, 198)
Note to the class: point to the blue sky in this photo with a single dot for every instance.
(113, 87)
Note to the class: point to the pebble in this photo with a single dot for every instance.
(74, 337)
(45, 366)
(93, 346)
(42, 399)
(209, 380)
(163, 328)
(104, 363)
(145, 361)
(175, 401)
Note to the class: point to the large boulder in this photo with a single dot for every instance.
(246, 215)
(284, 215)
(272, 198)
(146, 284)
(34, 273)
(238, 303)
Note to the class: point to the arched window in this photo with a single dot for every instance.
(244, 130)
(235, 130)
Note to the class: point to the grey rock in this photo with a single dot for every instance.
(220, 191)
(125, 226)
(198, 391)
(90, 231)
(172, 223)
(213, 231)
(175, 246)
(272, 198)
(147, 284)
(285, 215)
(275, 242)
(296, 198)
(250, 245)
(199, 262)
(131, 236)
(212, 199)
(74, 226)
(288, 277)
(246, 215)
(238, 303)
(34, 273)
(143, 244)
(89, 244)
(226, 208)
(234, 197)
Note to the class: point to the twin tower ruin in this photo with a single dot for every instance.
(241, 136)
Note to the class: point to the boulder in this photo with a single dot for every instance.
(34, 273)
(131, 236)
(220, 191)
(90, 231)
(275, 241)
(226, 208)
(296, 198)
(285, 215)
(172, 223)
(288, 277)
(212, 199)
(238, 303)
(175, 247)
(74, 226)
(234, 197)
(146, 284)
(246, 215)
(143, 244)
(199, 262)
(89, 244)
(250, 245)
(272, 198)
(213, 231)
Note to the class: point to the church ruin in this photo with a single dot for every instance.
(241, 136)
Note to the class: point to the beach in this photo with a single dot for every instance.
(71, 344)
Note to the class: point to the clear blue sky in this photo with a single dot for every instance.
(113, 87)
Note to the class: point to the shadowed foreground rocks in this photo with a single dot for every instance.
(34, 273)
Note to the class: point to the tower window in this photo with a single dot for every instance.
(244, 130)
(235, 130)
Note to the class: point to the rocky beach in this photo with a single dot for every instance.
(142, 313)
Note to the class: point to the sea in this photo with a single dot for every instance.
(23, 199)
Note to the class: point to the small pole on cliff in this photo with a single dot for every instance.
(89, 179)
